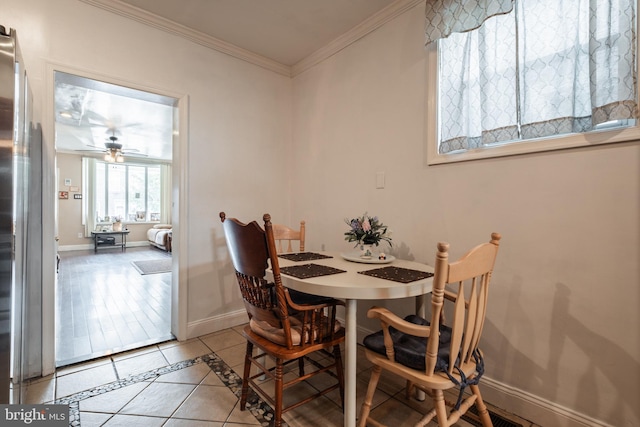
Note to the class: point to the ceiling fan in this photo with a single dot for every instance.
(113, 150)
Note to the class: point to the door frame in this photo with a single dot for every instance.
(179, 210)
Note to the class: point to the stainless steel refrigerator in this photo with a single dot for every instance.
(20, 226)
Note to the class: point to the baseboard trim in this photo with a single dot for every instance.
(523, 404)
(67, 248)
(216, 323)
(534, 408)
(137, 244)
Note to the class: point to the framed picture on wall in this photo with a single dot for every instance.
(141, 215)
(63, 194)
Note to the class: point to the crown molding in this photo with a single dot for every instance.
(375, 21)
(166, 25)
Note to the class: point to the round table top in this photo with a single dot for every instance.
(352, 284)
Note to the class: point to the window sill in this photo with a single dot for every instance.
(533, 146)
(141, 222)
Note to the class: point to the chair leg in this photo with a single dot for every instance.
(408, 389)
(278, 393)
(339, 371)
(441, 408)
(483, 412)
(301, 366)
(371, 389)
(245, 376)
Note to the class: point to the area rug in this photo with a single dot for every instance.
(153, 266)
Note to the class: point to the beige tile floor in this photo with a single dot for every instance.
(177, 384)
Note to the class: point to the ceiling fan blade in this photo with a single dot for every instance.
(131, 125)
(92, 118)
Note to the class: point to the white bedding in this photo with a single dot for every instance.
(158, 235)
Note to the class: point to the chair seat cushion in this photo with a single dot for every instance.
(411, 350)
(277, 335)
(302, 298)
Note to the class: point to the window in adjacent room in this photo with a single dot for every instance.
(549, 74)
(127, 191)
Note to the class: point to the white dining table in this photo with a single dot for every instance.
(352, 286)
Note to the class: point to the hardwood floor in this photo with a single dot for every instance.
(105, 306)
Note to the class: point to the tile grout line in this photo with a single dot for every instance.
(115, 370)
(74, 400)
(255, 404)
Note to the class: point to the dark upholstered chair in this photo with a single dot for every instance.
(285, 325)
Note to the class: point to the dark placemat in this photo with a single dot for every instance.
(303, 256)
(306, 271)
(397, 274)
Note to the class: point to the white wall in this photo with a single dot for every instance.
(562, 327)
(238, 124)
(567, 274)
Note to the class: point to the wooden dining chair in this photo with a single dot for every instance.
(435, 356)
(285, 235)
(286, 325)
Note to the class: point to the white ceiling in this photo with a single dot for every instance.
(90, 113)
(284, 32)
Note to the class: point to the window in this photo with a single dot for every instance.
(129, 192)
(548, 75)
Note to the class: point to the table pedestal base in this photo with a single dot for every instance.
(351, 351)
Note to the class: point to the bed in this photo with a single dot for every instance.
(160, 236)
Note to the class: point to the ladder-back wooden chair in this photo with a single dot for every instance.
(284, 324)
(285, 235)
(435, 356)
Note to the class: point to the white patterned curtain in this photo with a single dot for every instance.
(89, 190)
(166, 198)
(444, 17)
(549, 67)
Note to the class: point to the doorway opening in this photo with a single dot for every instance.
(114, 151)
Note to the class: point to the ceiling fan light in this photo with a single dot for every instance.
(120, 159)
(107, 158)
